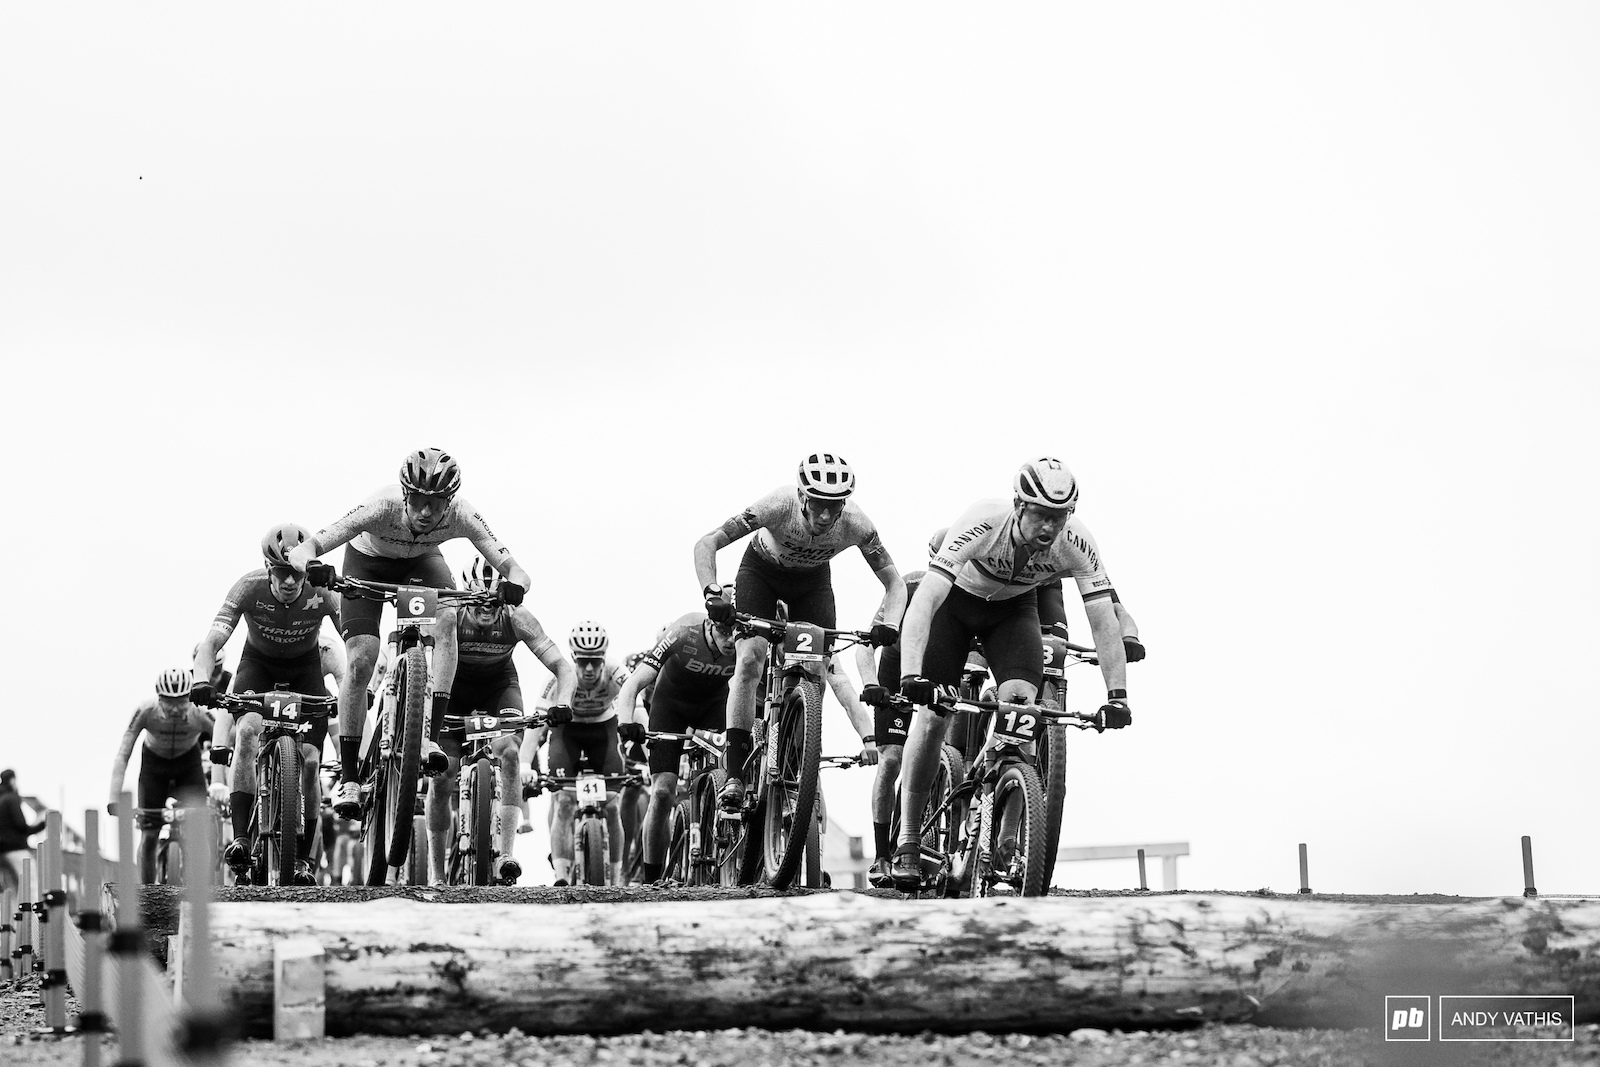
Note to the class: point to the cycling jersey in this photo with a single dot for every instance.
(591, 703)
(783, 540)
(981, 556)
(484, 646)
(273, 628)
(687, 662)
(170, 733)
(378, 527)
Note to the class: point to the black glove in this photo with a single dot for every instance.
(221, 756)
(1116, 714)
(717, 605)
(204, 694)
(320, 574)
(637, 754)
(558, 715)
(1057, 629)
(1133, 649)
(511, 593)
(111, 809)
(875, 696)
(883, 635)
(917, 689)
(631, 732)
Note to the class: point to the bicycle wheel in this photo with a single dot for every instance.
(417, 853)
(1052, 761)
(705, 866)
(411, 699)
(680, 862)
(482, 798)
(1017, 862)
(591, 848)
(376, 830)
(283, 833)
(813, 878)
(791, 792)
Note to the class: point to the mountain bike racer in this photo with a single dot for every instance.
(169, 765)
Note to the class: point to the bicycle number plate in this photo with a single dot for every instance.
(280, 707)
(591, 789)
(804, 643)
(1055, 657)
(483, 726)
(1015, 727)
(416, 605)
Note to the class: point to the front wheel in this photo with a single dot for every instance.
(376, 831)
(482, 822)
(411, 699)
(710, 836)
(791, 791)
(590, 848)
(283, 832)
(1008, 852)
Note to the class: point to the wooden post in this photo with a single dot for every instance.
(55, 939)
(8, 919)
(1305, 877)
(299, 997)
(24, 951)
(1143, 885)
(202, 1011)
(91, 1010)
(127, 943)
(1528, 889)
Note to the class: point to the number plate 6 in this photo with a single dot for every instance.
(804, 643)
(416, 604)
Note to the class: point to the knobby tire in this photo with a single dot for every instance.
(482, 822)
(411, 700)
(282, 847)
(791, 794)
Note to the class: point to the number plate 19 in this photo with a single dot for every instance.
(416, 605)
(483, 726)
(591, 790)
(803, 643)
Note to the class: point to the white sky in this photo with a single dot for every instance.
(1307, 299)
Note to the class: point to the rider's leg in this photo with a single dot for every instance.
(919, 763)
(883, 788)
(631, 802)
(242, 773)
(614, 837)
(148, 836)
(311, 799)
(444, 667)
(505, 754)
(657, 819)
(1014, 691)
(565, 805)
(437, 805)
(741, 712)
(361, 651)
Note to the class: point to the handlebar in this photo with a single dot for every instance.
(388, 592)
(458, 723)
(712, 741)
(839, 761)
(553, 782)
(947, 704)
(315, 707)
(774, 630)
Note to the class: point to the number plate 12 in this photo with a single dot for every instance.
(803, 643)
(1014, 726)
(416, 604)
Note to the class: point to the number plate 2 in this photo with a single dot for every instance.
(416, 604)
(483, 726)
(1015, 727)
(591, 790)
(804, 643)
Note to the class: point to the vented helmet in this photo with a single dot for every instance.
(1047, 482)
(826, 476)
(479, 577)
(588, 639)
(275, 547)
(431, 471)
(174, 682)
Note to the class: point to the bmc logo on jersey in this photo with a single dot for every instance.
(1407, 1018)
(694, 666)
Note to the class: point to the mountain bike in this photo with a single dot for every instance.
(1051, 748)
(786, 744)
(634, 802)
(279, 817)
(171, 861)
(591, 839)
(389, 774)
(477, 816)
(703, 848)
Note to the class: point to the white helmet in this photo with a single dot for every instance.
(588, 639)
(479, 577)
(175, 682)
(826, 476)
(1046, 482)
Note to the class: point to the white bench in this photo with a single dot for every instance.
(1169, 851)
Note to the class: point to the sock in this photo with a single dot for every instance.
(880, 838)
(349, 757)
(739, 745)
(441, 702)
(241, 806)
(914, 803)
(649, 872)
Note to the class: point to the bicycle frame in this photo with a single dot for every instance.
(284, 714)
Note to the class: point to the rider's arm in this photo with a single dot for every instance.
(336, 533)
(893, 608)
(119, 767)
(643, 674)
(746, 522)
(866, 665)
(1107, 639)
(532, 634)
(1125, 621)
(496, 554)
(930, 597)
(222, 626)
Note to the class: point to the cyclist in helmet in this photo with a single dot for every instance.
(797, 531)
(486, 682)
(585, 739)
(170, 763)
(283, 616)
(689, 669)
(394, 536)
(983, 583)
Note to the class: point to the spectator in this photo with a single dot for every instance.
(14, 832)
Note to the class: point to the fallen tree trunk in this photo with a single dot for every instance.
(843, 960)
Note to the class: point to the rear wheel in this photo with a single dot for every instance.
(411, 695)
(1052, 763)
(376, 831)
(680, 862)
(791, 792)
(417, 856)
(745, 854)
(707, 850)
(1014, 832)
(283, 832)
(482, 823)
(591, 847)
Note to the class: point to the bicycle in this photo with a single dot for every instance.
(591, 840)
(477, 816)
(389, 775)
(786, 743)
(280, 809)
(1009, 796)
(703, 848)
(1051, 754)
(634, 802)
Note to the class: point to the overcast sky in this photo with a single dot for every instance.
(1306, 298)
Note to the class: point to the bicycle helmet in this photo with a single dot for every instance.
(431, 471)
(588, 639)
(1046, 482)
(174, 682)
(479, 577)
(826, 476)
(280, 540)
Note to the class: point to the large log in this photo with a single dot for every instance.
(843, 960)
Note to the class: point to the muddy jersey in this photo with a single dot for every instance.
(981, 556)
(591, 703)
(485, 648)
(272, 628)
(689, 665)
(170, 734)
(378, 527)
(783, 540)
